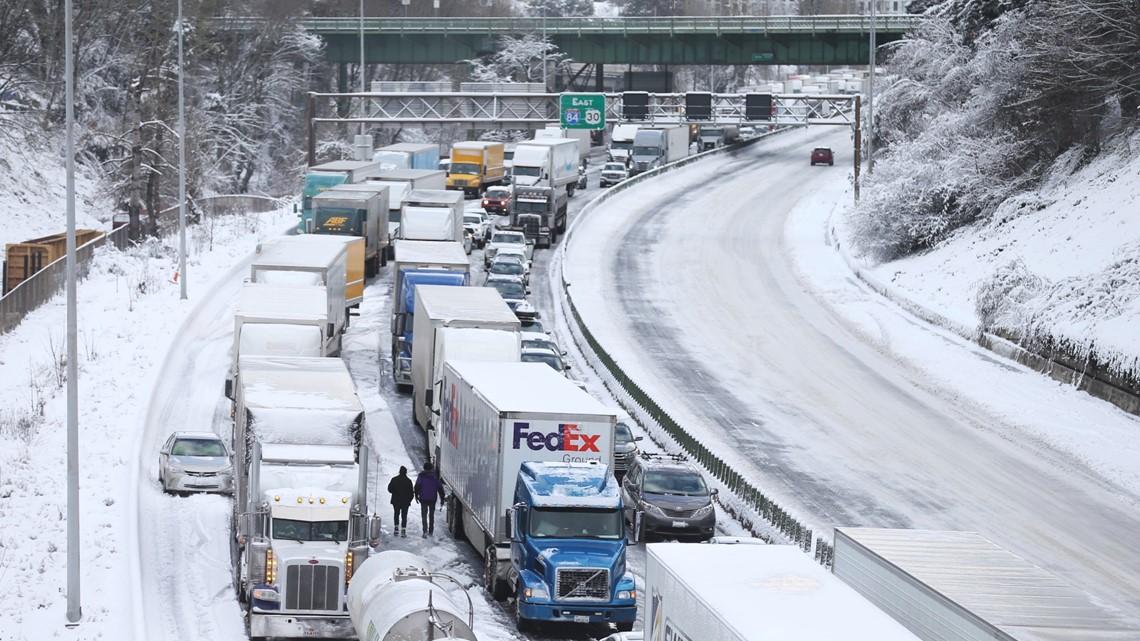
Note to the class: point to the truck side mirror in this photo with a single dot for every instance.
(331, 329)
(429, 398)
(635, 536)
(230, 388)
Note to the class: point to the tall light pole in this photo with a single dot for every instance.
(871, 97)
(181, 162)
(362, 90)
(545, 87)
(74, 610)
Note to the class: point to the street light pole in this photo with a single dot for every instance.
(74, 609)
(362, 90)
(545, 87)
(871, 97)
(181, 162)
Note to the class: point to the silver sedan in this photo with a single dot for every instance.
(195, 462)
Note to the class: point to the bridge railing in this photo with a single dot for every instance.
(576, 26)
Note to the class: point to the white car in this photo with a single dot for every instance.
(503, 265)
(195, 462)
(507, 239)
(614, 173)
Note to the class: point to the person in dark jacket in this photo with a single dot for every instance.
(429, 487)
(400, 487)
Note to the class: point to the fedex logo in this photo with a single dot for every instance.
(565, 439)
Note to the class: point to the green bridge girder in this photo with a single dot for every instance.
(729, 40)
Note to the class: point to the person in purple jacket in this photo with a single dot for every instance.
(429, 487)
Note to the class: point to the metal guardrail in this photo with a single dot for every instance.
(584, 26)
(41, 286)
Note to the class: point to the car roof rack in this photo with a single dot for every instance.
(661, 456)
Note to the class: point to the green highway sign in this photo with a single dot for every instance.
(583, 110)
(763, 56)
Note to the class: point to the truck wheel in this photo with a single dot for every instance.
(455, 517)
(524, 625)
(383, 257)
(491, 581)
(624, 626)
(570, 190)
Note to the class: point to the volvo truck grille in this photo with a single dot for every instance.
(591, 584)
(313, 587)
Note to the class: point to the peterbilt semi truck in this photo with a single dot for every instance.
(300, 503)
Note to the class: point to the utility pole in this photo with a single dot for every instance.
(181, 163)
(871, 97)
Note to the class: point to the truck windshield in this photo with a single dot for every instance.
(645, 151)
(621, 144)
(468, 168)
(291, 530)
(526, 171)
(573, 523)
(339, 221)
(527, 207)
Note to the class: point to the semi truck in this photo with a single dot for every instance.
(554, 131)
(359, 211)
(400, 183)
(653, 148)
(301, 504)
(712, 136)
(419, 262)
(330, 174)
(525, 452)
(947, 585)
(354, 265)
(293, 261)
(549, 204)
(281, 320)
(407, 155)
(475, 165)
(754, 592)
(490, 331)
(621, 143)
(432, 215)
(549, 162)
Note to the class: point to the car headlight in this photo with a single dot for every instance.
(627, 594)
(540, 592)
(650, 508)
(265, 594)
(703, 512)
(174, 466)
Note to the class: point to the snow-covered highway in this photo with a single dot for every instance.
(715, 289)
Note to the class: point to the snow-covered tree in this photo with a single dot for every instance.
(559, 8)
(519, 59)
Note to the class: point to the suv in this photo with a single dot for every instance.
(664, 495)
(507, 238)
(481, 226)
(613, 173)
(822, 155)
(625, 444)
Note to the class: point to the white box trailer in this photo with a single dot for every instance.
(547, 162)
(432, 215)
(960, 586)
(280, 320)
(292, 260)
(438, 308)
(400, 183)
(742, 592)
(494, 417)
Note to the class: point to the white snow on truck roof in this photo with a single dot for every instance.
(524, 388)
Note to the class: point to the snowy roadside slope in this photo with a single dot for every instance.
(128, 309)
(1080, 232)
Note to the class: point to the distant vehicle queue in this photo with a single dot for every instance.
(479, 366)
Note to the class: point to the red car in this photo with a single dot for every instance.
(497, 199)
(822, 155)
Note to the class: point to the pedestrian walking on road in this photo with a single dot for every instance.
(400, 487)
(429, 487)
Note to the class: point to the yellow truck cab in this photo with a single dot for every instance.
(475, 166)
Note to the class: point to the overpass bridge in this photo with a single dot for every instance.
(839, 40)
